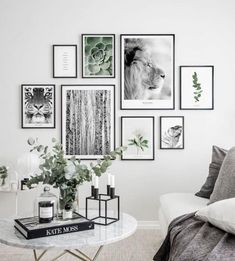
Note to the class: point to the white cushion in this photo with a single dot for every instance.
(174, 205)
(220, 214)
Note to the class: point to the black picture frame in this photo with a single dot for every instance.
(196, 107)
(55, 74)
(161, 132)
(89, 87)
(146, 103)
(25, 125)
(152, 157)
(113, 59)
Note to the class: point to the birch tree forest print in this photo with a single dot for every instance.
(88, 121)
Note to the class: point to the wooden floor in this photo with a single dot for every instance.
(140, 247)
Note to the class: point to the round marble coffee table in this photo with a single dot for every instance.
(70, 243)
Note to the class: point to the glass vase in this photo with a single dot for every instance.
(68, 202)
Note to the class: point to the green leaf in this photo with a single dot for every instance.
(31, 141)
(90, 60)
(87, 49)
(93, 40)
(103, 72)
(73, 158)
(45, 150)
(107, 40)
(105, 66)
(93, 68)
(100, 45)
(40, 148)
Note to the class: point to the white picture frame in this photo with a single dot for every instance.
(147, 72)
(197, 87)
(138, 129)
(64, 61)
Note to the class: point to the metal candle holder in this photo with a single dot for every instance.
(104, 198)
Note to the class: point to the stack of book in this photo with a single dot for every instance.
(31, 228)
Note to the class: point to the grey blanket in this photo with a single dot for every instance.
(190, 239)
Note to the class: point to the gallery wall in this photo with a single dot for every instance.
(204, 34)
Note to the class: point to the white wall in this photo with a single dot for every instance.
(204, 32)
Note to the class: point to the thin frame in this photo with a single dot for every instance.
(173, 72)
(162, 117)
(54, 107)
(212, 87)
(114, 50)
(76, 58)
(114, 116)
(153, 141)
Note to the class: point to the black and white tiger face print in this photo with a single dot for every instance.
(38, 105)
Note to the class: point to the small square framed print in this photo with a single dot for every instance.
(137, 133)
(197, 87)
(172, 132)
(64, 61)
(98, 56)
(38, 106)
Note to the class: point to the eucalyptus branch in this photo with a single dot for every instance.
(53, 166)
(197, 87)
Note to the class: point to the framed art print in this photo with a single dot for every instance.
(147, 71)
(64, 61)
(137, 133)
(88, 120)
(197, 87)
(172, 132)
(98, 55)
(38, 106)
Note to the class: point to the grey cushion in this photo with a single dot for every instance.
(225, 183)
(218, 155)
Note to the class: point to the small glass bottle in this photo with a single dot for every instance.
(46, 197)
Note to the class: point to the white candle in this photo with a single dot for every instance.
(112, 181)
(96, 182)
(109, 178)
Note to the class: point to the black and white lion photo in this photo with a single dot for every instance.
(148, 66)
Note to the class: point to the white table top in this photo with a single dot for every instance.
(101, 235)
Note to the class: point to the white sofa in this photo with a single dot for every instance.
(173, 205)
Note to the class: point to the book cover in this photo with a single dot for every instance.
(31, 228)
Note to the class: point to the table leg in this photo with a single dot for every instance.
(88, 258)
(60, 255)
(97, 253)
(75, 255)
(35, 255)
(81, 256)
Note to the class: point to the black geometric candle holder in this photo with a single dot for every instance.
(105, 219)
